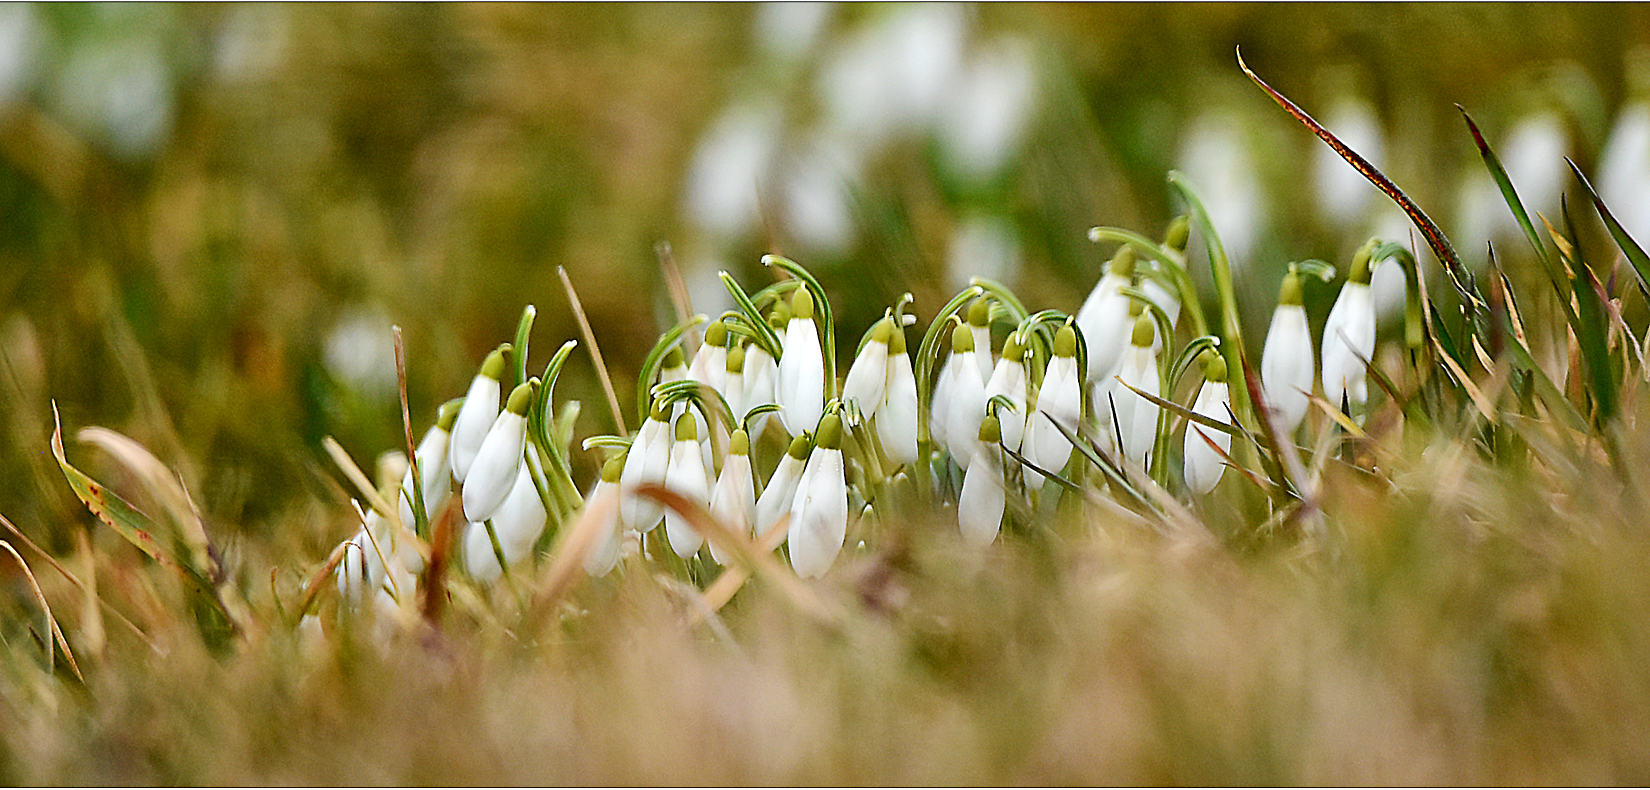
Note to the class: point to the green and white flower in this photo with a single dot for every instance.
(476, 416)
(819, 514)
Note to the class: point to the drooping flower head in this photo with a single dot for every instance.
(983, 498)
(964, 405)
(733, 500)
(493, 471)
(819, 514)
(897, 418)
(1059, 401)
(1104, 317)
(777, 496)
(686, 475)
(647, 462)
(801, 368)
(1287, 364)
(1349, 336)
(1137, 417)
(604, 554)
(1203, 465)
(476, 416)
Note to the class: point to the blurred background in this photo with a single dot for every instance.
(210, 216)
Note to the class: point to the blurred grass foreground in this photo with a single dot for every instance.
(211, 216)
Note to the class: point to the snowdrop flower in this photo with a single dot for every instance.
(1287, 367)
(965, 404)
(780, 492)
(604, 555)
(1137, 417)
(361, 569)
(518, 522)
(1008, 380)
(1203, 465)
(1107, 394)
(819, 514)
(801, 368)
(733, 501)
(647, 462)
(477, 414)
(868, 376)
(979, 325)
(761, 376)
(686, 476)
(897, 418)
(983, 498)
(733, 382)
(1060, 400)
(710, 362)
(435, 469)
(1349, 336)
(673, 367)
(493, 471)
(1104, 317)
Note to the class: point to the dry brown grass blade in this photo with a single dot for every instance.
(75, 580)
(674, 283)
(165, 485)
(53, 632)
(317, 583)
(721, 591)
(595, 351)
(572, 546)
(364, 487)
(745, 552)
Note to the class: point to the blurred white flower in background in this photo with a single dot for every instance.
(732, 160)
(1344, 196)
(981, 245)
(788, 32)
(816, 182)
(1624, 166)
(360, 352)
(983, 123)
(20, 48)
(1216, 156)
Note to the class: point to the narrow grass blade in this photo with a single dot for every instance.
(1435, 237)
(1635, 254)
(595, 350)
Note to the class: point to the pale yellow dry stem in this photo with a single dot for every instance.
(674, 284)
(366, 489)
(53, 633)
(92, 636)
(572, 546)
(83, 586)
(595, 350)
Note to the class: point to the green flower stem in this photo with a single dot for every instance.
(524, 328)
(760, 333)
(1220, 267)
(650, 366)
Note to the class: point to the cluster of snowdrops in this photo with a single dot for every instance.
(754, 425)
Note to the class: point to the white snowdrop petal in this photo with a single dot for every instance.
(819, 516)
(981, 502)
(1204, 466)
(493, 471)
(801, 377)
(475, 420)
(897, 419)
(685, 476)
(733, 501)
(1286, 366)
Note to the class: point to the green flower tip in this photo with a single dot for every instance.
(883, 332)
(896, 339)
(1180, 230)
(1290, 292)
(779, 315)
(448, 414)
(991, 432)
(673, 359)
(962, 340)
(520, 398)
(830, 432)
(802, 304)
(979, 313)
(1065, 342)
(736, 360)
(686, 429)
(493, 368)
(739, 443)
(799, 447)
(1136, 308)
(659, 413)
(1360, 263)
(614, 468)
(716, 335)
(1122, 262)
(1144, 330)
(1012, 350)
(1214, 366)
